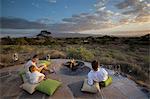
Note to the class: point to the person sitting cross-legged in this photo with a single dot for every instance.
(97, 74)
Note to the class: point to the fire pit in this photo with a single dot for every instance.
(74, 67)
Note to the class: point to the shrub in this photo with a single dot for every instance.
(57, 54)
(106, 60)
(80, 53)
(16, 48)
(20, 41)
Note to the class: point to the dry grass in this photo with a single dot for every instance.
(57, 54)
(136, 60)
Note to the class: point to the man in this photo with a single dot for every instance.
(97, 74)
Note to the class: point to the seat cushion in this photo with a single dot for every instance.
(22, 74)
(90, 88)
(24, 78)
(48, 86)
(44, 62)
(30, 88)
(107, 82)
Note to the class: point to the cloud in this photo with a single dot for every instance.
(45, 20)
(87, 21)
(101, 18)
(134, 6)
(35, 5)
(126, 12)
(18, 23)
(51, 1)
(137, 11)
(66, 7)
(100, 3)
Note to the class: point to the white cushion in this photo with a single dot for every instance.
(90, 88)
(30, 88)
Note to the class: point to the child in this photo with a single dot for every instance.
(35, 76)
(33, 61)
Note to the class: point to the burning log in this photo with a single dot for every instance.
(73, 64)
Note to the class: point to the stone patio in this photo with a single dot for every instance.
(121, 88)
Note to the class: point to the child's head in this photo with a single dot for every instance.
(32, 68)
(95, 65)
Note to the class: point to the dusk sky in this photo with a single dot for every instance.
(76, 16)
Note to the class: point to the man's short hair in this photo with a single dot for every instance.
(95, 65)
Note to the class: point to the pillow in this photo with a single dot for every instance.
(24, 78)
(48, 86)
(107, 82)
(90, 88)
(22, 74)
(30, 88)
(44, 62)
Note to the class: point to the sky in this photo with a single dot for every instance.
(76, 16)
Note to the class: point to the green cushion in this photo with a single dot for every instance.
(44, 62)
(21, 73)
(107, 82)
(48, 86)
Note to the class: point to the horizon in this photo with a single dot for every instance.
(27, 33)
(95, 17)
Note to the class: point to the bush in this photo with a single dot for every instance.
(57, 54)
(80, 53)
(16, 48)
(20, 41)
(107, 60)
(5, 58)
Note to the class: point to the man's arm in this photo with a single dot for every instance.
(105, 72)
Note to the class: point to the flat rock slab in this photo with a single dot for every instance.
(80, 72)
(121, 88)
(76, 90)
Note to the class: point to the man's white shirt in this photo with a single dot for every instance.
(100, 75)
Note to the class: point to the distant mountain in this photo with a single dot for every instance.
(72, 35)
